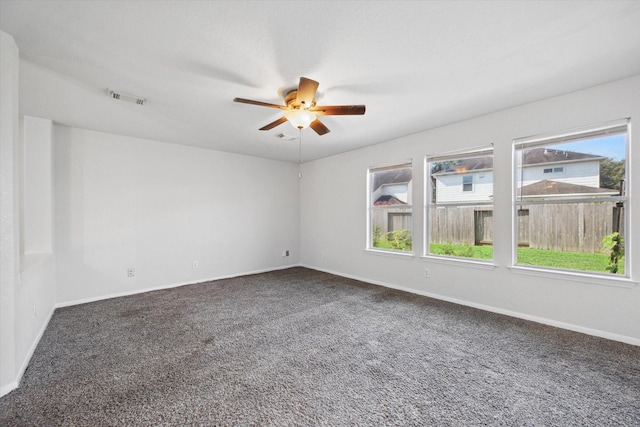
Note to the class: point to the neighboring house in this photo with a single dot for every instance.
(390, 197)
(469, 180)
(545, 172)
(391, 187)
(561, 166)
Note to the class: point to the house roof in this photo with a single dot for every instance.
(534, 156)
(388, 200)
(547, 187)
(394, 176)
(461, 166)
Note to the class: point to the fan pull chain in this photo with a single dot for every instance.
(300, 155)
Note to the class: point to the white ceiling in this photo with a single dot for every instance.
(415, 65)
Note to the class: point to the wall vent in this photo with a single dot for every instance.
(285, 137)
(126, 97)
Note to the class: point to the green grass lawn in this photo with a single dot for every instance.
(597, 262)
(464, 251)
(385, 244)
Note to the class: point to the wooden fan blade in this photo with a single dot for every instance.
(319, 127)
(339, 110)
(262, 104)
(271, 125)
(306, 92)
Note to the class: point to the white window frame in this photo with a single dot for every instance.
(575, 134)
(369, 233)
(483, 151)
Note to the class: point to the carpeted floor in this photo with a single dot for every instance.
(299, 347)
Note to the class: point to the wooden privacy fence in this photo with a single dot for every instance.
(454, 225)
(572, 227)
(391, 218)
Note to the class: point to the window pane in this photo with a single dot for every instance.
(590, 167)
(461, 231)
(569, 235)
(391, 228)
(570, 199)
(460, 210)
(467, 183)
(390, 208)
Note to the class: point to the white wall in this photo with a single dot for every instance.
(35, 293)
(125, 202)
(34, 306)
(37, 188)
(27, 285)
(333, 239)
(9, 238)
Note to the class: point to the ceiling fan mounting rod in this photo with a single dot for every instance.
(291, 99)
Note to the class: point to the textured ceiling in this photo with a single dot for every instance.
(415, 65)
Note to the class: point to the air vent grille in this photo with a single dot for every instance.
(285, 137)
(126, 97)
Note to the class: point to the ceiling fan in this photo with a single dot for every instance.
(301, 109)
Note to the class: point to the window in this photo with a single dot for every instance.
(389, 216)
(467, 182)
(553, 170)
(574, 220)
(459, 209)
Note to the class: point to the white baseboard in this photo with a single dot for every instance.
(34, 345)
(537, 319)
(25, 363)
(6, 389)
(169, 286)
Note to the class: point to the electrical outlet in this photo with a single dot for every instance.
(131, 272)
(195, 264)
(426, 273)
(285, 253)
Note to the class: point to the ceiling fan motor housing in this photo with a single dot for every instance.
(291, 99)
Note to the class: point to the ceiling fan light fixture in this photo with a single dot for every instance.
(300, 119)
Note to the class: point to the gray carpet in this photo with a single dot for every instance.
(302, 348)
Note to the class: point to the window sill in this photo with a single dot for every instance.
(462, 262)
(393, 254)
(621, 282)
